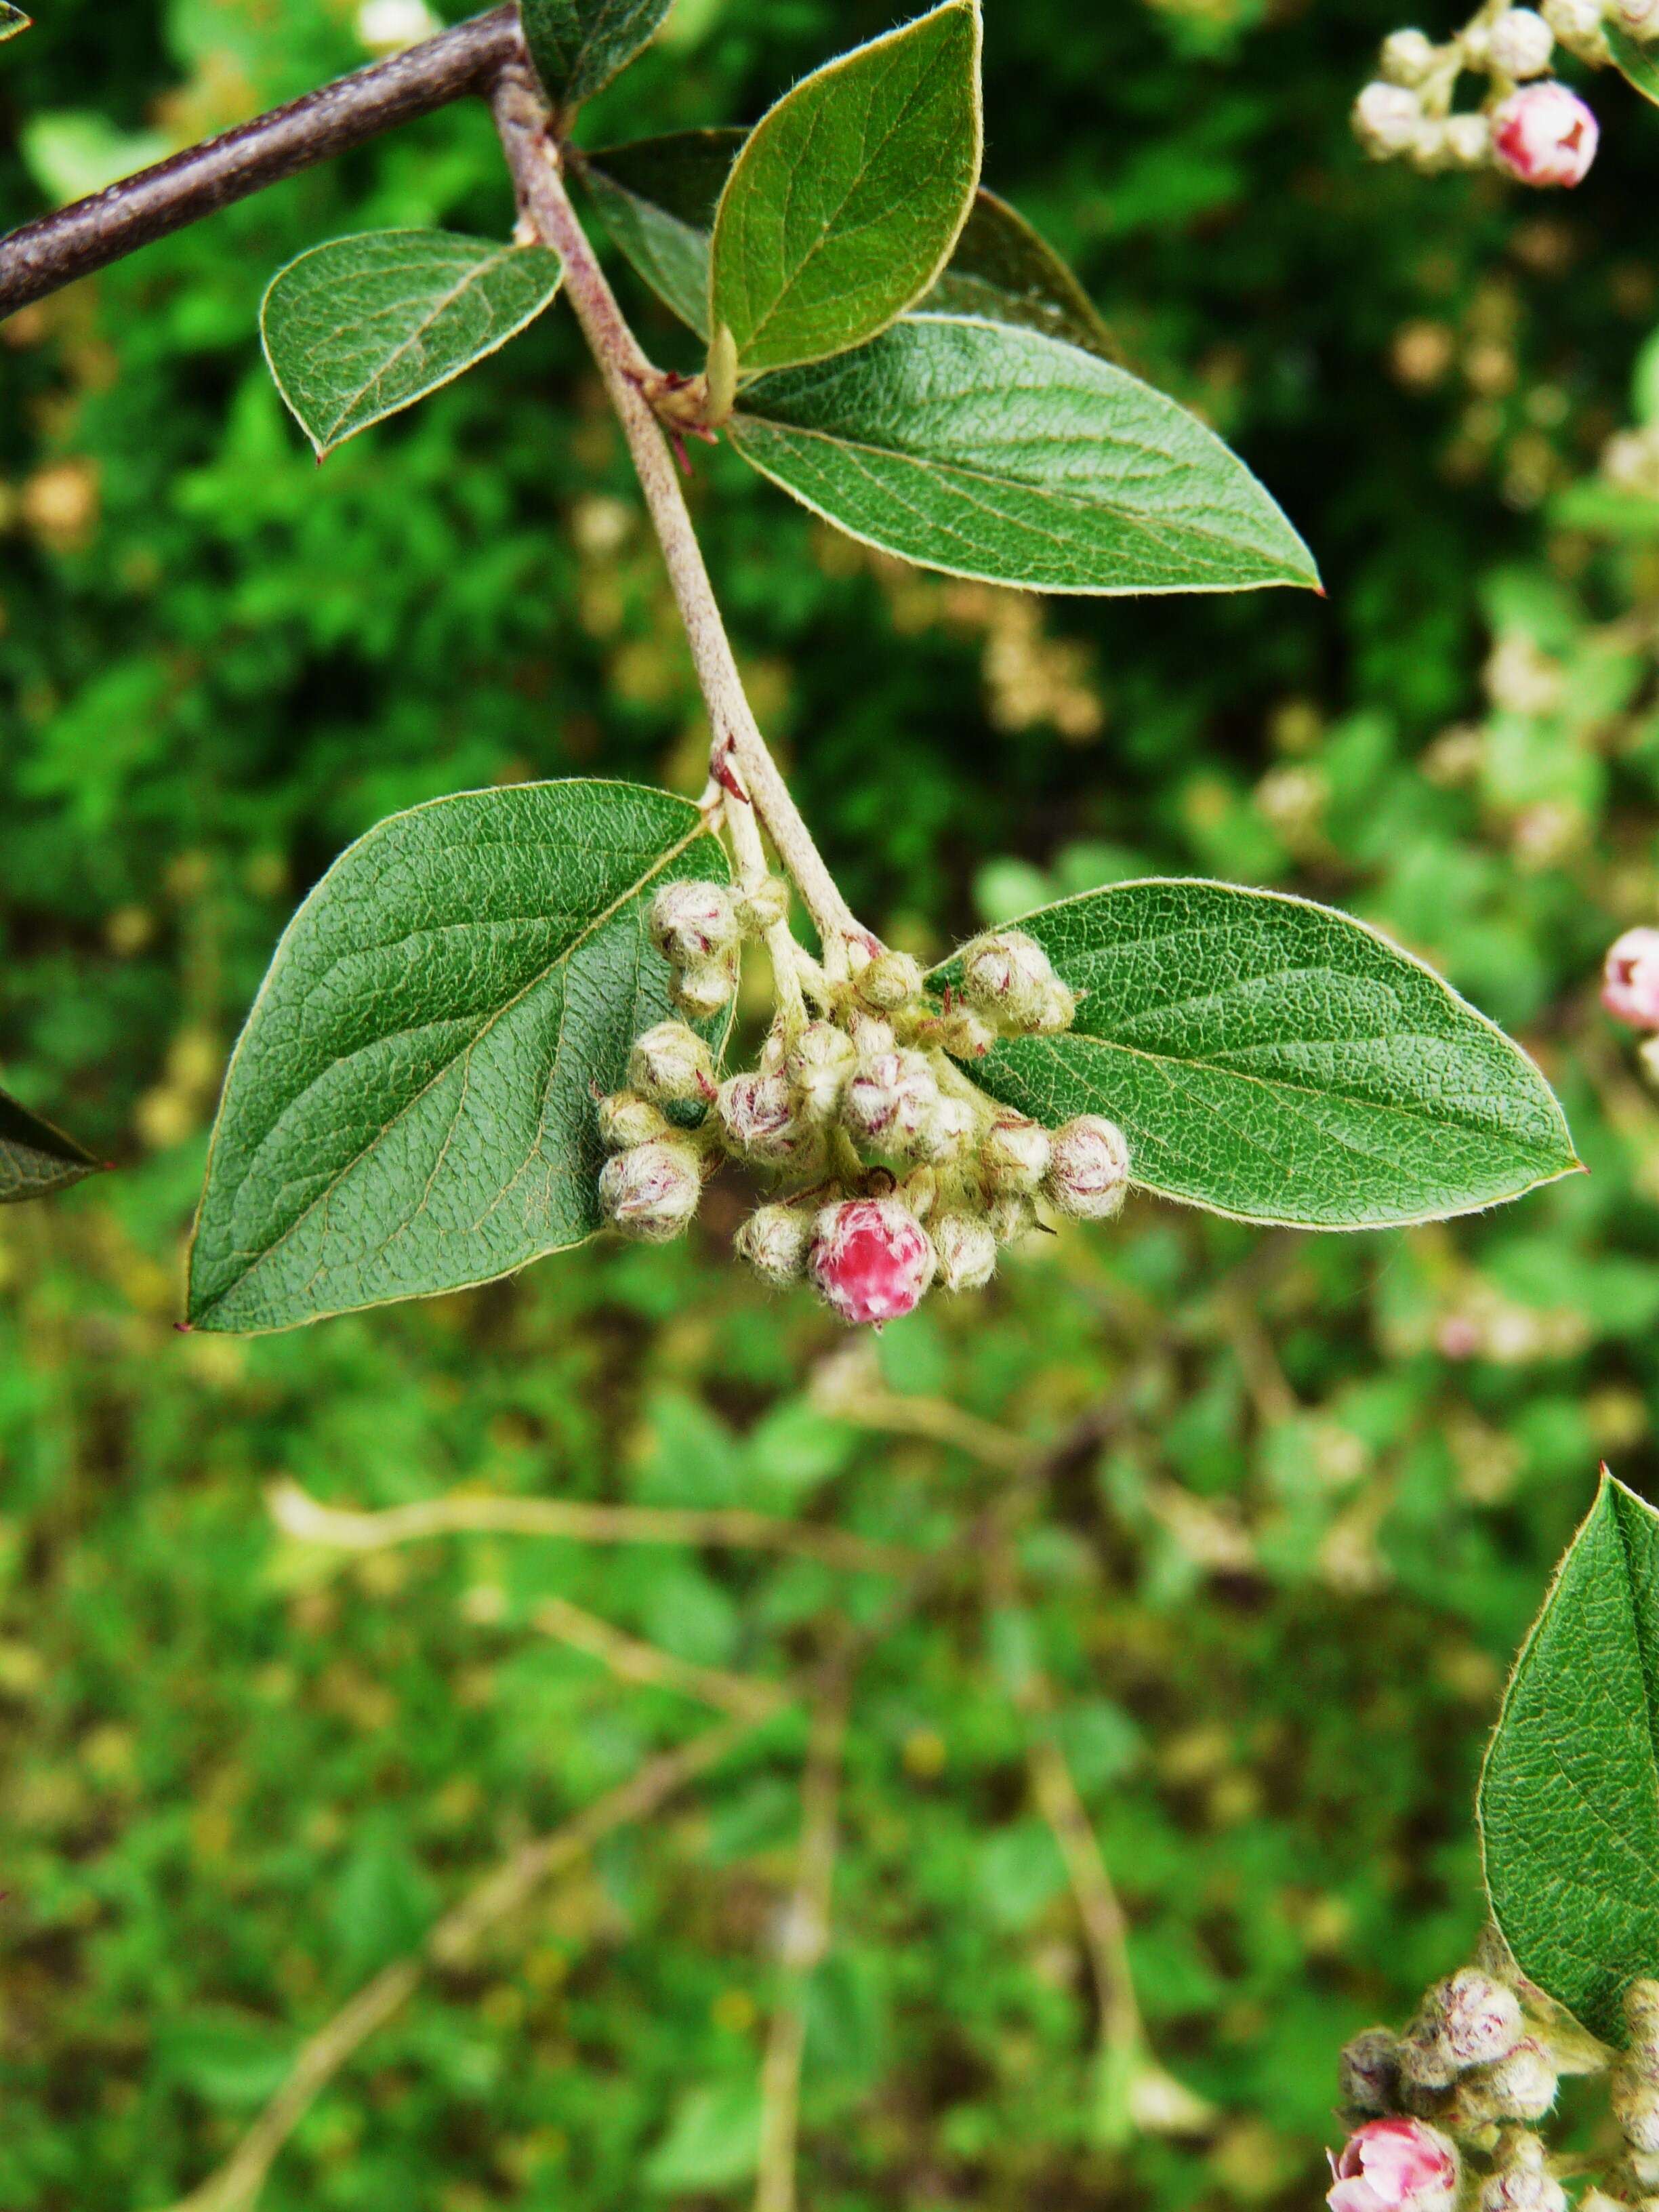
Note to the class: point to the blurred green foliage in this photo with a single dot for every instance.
(238, 1776)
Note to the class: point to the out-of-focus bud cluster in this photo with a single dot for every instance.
(892, 1170)
(1446, 2113)
(1527, 123)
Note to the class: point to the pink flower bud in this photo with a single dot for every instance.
(652, 1192)
(1394, 2165)
(1629, 980)
(757, 1112)
(946, 1130)
(891, 980)
(891, 1101)
(1478, 2020)
(1521, 2086)
(775, 1241)
(1088, 1168)
(870, 1260)
(672, 1066)
(1545, 135)
(967, 1251)
(692, 922)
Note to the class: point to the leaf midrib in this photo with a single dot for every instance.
(478, 270)
(666, 858)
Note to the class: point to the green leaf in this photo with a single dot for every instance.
(1638, 63)
(848, 195)
(1569, 1804)
(579, 45)
(410, 1109)
(356, 330)
(35, 1157)
(657, 197)
(12, 20)
(997, 453)
(1276, 1061)
(1003, 272)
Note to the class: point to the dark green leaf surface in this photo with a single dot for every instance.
(412, 1106)
(359, 328)
(1275, 1061)
(579, 45)
(1002, 271)
(658, 196)
(35, 1157)
(12, 20)
(847, 196)
(997, 453)
(1637, 61)
(1570, 1797)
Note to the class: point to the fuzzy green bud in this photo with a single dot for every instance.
(1014, 1157)
(891, 980)
(820, 1065)
(627, 1120)
(967, 1249)
(763, 907)
(776, 1240)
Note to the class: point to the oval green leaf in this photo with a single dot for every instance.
(848, 195)
(1569, 1804)
(359, 328)
(410, 1108)
(35, 1158)
(1637, 62)
(579, 45)
(1277, 1062)
(997, 453)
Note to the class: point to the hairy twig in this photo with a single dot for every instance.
(297, 1514)
(632, 1661)
(742, 761)
(43, 255)
(805, 1938)
(238, 2183)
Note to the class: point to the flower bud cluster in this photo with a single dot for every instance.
(1443, 2113)
(1528, 124)
(892, 1171)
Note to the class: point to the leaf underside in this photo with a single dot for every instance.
(847, 196)
(411, 1107)
(657, 197)
(363, 327)
(35, 1158)
(997, 453)
(1569, 1803)
(1278, 1061)
(1637, 62)
(579, 45)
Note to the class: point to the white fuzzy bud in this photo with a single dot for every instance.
(757, 1114)
(891, 1101)
(871, 1036)
(1425, 2061)
(889, 981)
(946, 1130)
(1009, 977)
(1014, 1157)
(1635, 2101)
(672, 1066)
(1639, 17)
(704, 986)
(1519, 43)
(652, 1192)
(1577, 24)
(1369, 2071)
(1387, 118)
(967, 1249)
(820, 1063)
(763, 906)
(691, 923)
(962, 1033)
(1408, 56)
(1477, 2018)
(1011, 1218)
(1522, 2181)
(1056, 1011)
(1088, 1168)
(775, 1241)
(1521, 2086)
(627, 1120)
(1468, 141)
